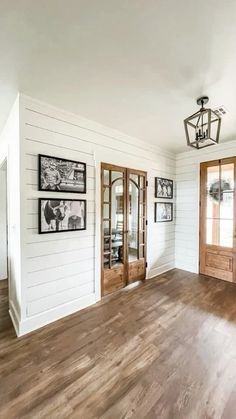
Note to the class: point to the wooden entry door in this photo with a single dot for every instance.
(217, 219)
(123, 227)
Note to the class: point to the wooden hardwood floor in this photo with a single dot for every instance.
(5, 322)
(165, 349)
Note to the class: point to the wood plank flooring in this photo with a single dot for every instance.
(165, 349)
(5, 322)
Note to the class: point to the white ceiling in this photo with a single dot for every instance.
(133, 65)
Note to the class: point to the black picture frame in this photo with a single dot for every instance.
(157, 219)
(48, 231)
(163, 181)
(66, 189)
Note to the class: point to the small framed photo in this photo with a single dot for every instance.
(61, 215)
(163, 212)
(61, 175)
(163, 188)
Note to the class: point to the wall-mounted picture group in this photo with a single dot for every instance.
(61, 214)
(163, 211)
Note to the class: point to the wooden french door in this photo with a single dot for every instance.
(217, 219)
(123, 226)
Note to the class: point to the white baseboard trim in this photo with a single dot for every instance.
(35, 322)
(14, 317)
(160, 270)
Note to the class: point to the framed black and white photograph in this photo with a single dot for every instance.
(61, 175)
(58, 215)
(163, 212)
(163, 188)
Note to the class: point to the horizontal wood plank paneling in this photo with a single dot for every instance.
(65, 296)
(53, 287)
(61, 267)
(32, 192)
(57, 259)
(32, 236)
(66, 129)
(58, 246)
(35, 147)
(60, 271)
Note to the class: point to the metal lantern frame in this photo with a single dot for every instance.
(195, 122)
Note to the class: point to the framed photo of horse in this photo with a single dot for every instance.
(61, 215)
(61, 175)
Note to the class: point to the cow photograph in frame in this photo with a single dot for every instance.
(163, 212)
(61, 175)
(163, 188)
(61, 215)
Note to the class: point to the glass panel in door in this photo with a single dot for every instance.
(117, 218)
(220, 205)
(113, 218)
(133, 218)
(136, 226)
(137, 217)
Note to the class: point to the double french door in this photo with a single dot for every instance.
(123, 226)
(217, 219)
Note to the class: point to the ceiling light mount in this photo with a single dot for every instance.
(202, 100)
(202, 129)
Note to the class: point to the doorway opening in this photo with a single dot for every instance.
(3, 221)
(4, 304)
(217, 219)
(123, 226)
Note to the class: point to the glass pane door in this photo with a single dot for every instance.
(220, 205)
(123, 213)
(113, 217)
(137, 217)
(217, 219)
(136, 225)
(133, 243)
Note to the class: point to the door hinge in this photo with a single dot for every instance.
(147, 183)
(146, 222)
(146, 264)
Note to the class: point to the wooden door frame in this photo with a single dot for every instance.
(107, 166)
(126, 171)
(144, 174)
(202, 210)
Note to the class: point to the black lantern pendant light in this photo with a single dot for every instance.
(203, 127)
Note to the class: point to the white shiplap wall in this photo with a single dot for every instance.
(61, 272)
(3, 224)
(187, 202)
